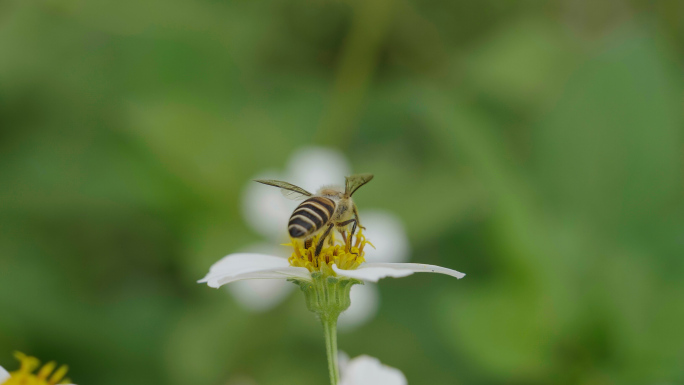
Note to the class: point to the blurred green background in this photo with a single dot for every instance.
(534, 145)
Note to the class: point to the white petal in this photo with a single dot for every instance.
(387, 233)
(373, 272)
(365, 300)
(264, 294)
(4, 375)
(265, 209)
(246, 262)
(312, 167)
(236, 267)
(366, 370)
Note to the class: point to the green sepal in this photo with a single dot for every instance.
(327, 296)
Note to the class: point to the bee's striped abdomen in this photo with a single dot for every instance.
(310, 216)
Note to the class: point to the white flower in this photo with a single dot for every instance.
(366, 370)
(265, 210)
(243, 266)
(4, 375)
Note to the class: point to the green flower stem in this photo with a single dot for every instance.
(328, 297)
(330, 328)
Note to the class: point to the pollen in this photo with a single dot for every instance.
(346, 253)
(46, 375)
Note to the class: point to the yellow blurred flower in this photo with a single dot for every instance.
(46, 375)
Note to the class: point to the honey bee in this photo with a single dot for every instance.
(323, 211)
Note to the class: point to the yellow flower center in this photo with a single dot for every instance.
(347, 254)
(47, 375)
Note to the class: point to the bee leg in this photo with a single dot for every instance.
(345, 223)
(352, 235)
(307, 243)
(321, 241)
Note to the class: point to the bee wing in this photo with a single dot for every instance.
(355, 181)
(288, 190)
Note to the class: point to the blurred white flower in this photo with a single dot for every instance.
(312, 167)
(364, 305)
(367, 370)
(265, 210)
(362, 370)
(267, 213)
(388, 235)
